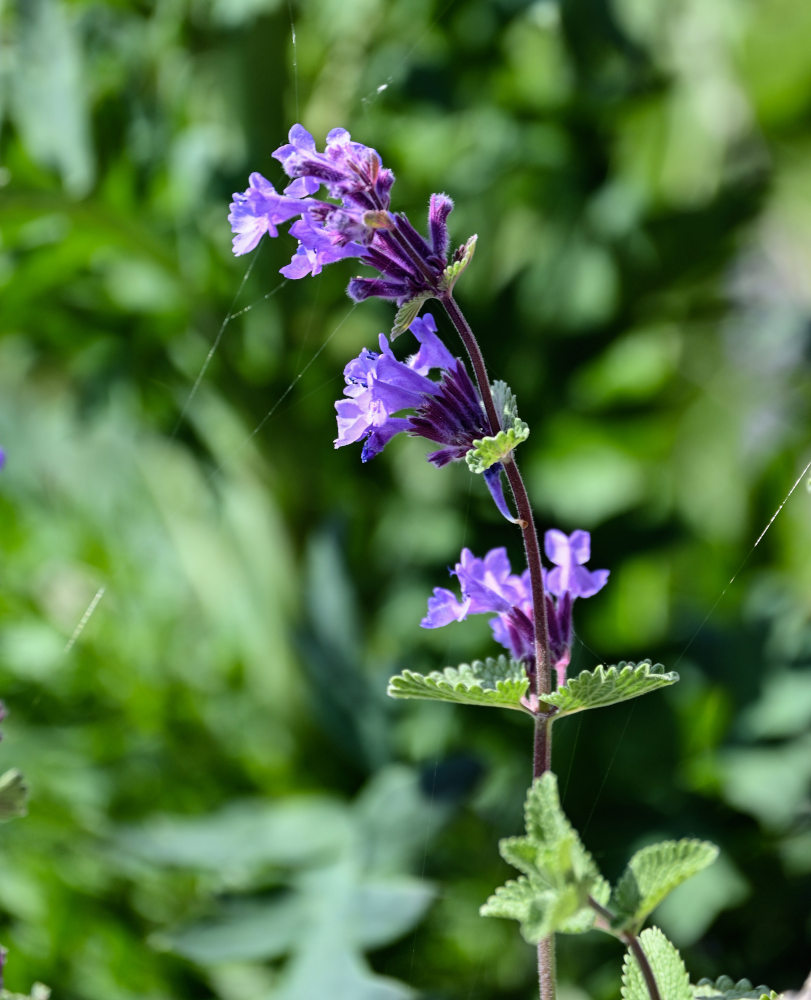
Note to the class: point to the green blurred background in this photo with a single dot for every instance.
(224, 803)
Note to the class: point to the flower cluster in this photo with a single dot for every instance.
(356, 223)
(488, 586)
(448, 412)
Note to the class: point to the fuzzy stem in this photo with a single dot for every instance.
(547, 973)
(542, 746)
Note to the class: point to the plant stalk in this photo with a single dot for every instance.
(543, 678)
(605, 917)
(542, 745)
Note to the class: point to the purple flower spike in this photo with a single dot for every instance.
(2, 458)
(356, 223)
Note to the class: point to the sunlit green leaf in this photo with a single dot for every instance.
(493, 683)
(652, 873)
(667, 967)
(559, 873)
(607, 686)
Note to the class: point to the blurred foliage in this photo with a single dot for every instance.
(223, 802)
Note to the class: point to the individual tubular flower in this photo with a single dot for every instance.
(564, 584)
(379, 388)
(489, 587)
(357, 223)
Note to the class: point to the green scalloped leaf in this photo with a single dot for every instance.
(607, 686)
(13, 795)
(492, 683)
(652, 874)
(558, 876)
(724, 988)
(487, 451)
(540, 912)
(406, 314)
(667, 967)
(461, 258)
(504, 400)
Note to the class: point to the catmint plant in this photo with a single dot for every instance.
(339, 205)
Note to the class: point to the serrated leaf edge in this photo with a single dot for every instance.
(616, 672)
(633, 920)
(407, 313)
(499, 445)
(460, 692)
(651, 934)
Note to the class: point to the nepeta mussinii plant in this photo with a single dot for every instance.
(432, 395)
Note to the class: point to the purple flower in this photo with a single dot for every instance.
(347, 169)
(569, 553)
(258, 211)
(357, 223)
(379, 388)
(489, 587)
(567, 581)
(2, 458)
